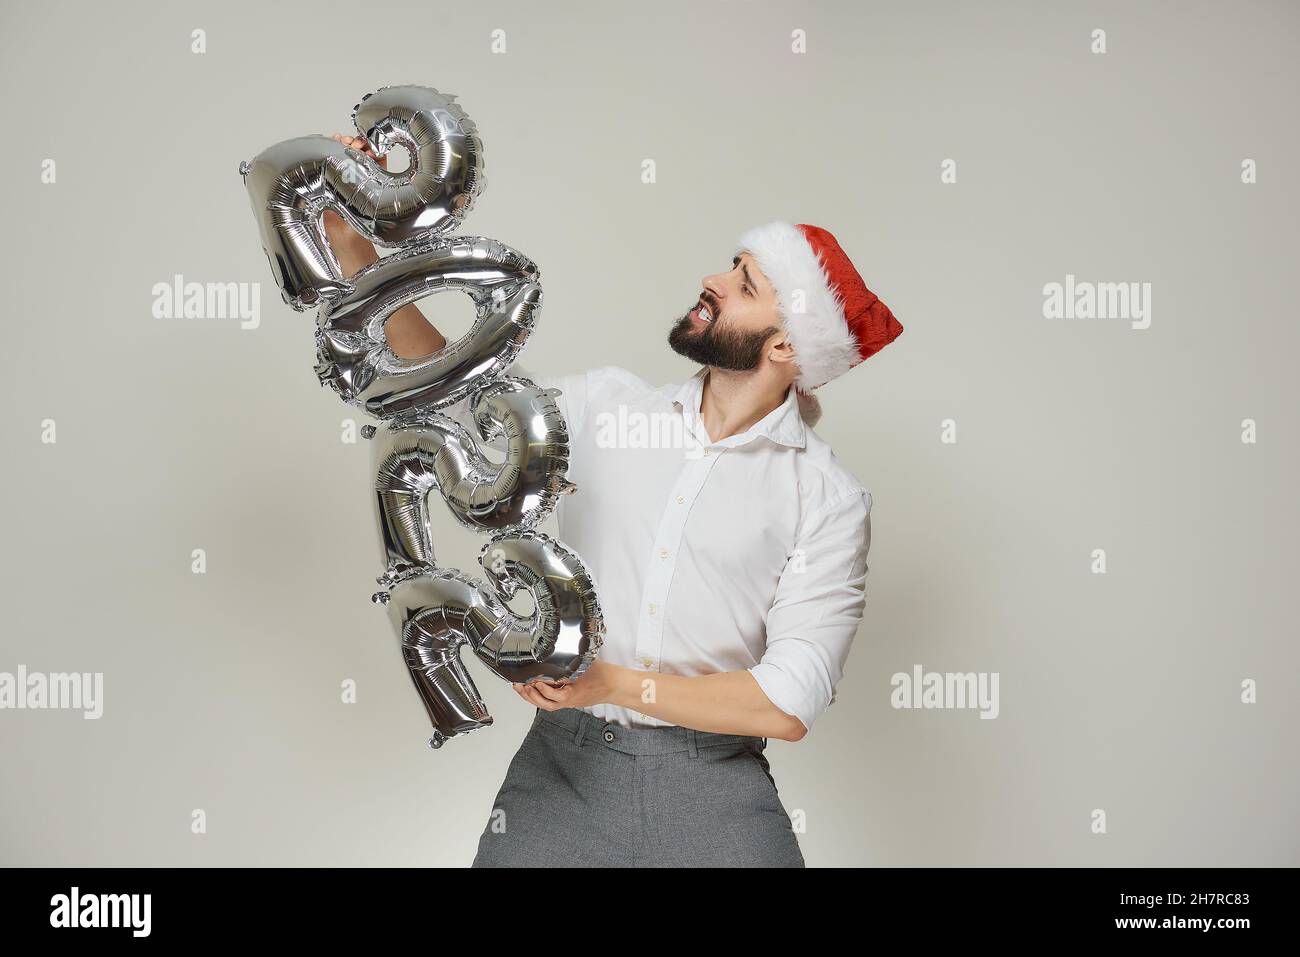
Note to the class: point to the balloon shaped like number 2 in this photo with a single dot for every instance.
(436, 611)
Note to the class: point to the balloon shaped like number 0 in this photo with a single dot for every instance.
(418, 449)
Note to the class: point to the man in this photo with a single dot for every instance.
(731, 563)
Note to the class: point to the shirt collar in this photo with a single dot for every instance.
(783, 425)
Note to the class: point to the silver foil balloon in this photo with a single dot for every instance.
(437, 612)
(422, 451)
(353, 356)
(291, 184)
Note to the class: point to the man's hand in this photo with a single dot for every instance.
(591, 689)
(408, 333)
(361, 146)
(729, 702)
(351, 249)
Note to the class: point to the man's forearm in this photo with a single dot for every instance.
(730, 702)
(408, 333)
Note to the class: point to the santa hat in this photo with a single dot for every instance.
(833, 320)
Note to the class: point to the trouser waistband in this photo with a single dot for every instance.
(586, 728)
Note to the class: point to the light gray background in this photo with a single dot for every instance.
(1118, 692)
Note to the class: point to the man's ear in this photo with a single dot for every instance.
(779, 349)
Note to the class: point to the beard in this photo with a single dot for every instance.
(719, 346)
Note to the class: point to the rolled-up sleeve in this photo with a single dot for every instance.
(818, 607)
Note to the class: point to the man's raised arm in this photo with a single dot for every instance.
(409, 334)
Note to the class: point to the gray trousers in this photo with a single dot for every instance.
(583, 793)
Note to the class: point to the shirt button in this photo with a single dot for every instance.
(663, 553)
(652, 608)
(680, 499)
(647, 662)
(707, 451)
(609, 736)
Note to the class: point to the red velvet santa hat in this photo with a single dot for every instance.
(833, 320)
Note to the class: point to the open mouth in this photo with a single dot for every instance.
(702, 313)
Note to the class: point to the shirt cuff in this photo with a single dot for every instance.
(784, 692)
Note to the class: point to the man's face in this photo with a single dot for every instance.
(735, 316)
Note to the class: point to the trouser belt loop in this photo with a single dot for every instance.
(690, 742)
(581, 733)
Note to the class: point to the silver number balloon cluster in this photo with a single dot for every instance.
(418, 449)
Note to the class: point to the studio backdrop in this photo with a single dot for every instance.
(1079, 643)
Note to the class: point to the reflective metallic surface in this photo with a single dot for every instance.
(423, 451)
(292, 183)
(438, 611)
(353, 356)
(419, 450)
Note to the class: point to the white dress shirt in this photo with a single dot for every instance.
(745, 553)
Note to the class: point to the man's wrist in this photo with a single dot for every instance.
(617, 685)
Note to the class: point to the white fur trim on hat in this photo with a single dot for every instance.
(823, 343)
